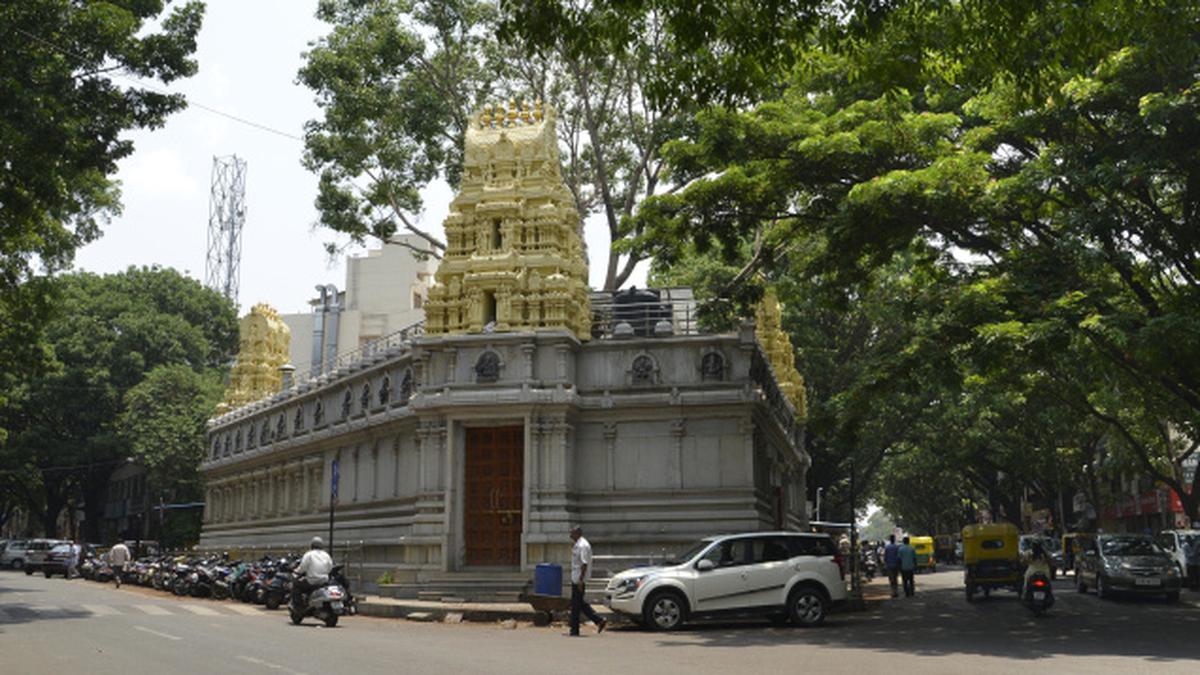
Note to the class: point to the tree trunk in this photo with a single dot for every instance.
(49, 517)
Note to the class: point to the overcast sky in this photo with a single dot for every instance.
(249, 52)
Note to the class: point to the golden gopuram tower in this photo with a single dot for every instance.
(768, 318)
(514, 256)
(264, 340)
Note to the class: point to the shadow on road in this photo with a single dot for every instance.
(940, 622)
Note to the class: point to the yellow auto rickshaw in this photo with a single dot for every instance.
(991, 558)
(924, 548)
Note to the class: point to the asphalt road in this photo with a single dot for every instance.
(56, 626)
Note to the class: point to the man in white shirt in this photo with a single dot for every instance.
(118, 556)
(581, 563)
(313, 570)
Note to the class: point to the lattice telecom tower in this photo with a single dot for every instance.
(226, 216)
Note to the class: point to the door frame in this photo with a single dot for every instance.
(455, 508)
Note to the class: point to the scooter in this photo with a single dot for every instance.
(1037, 594)
(325, 603)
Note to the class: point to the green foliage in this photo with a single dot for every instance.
(116, 340)
(62, 119)
(163, 425)
(878, 527)
(398, 82)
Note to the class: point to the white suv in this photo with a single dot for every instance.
(782, 575)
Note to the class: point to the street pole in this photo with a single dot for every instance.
(333, 498)
(818, 518)
(856, 596)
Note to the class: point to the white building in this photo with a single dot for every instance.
(384, 292)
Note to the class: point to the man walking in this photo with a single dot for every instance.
(118, 556)
(908, 567)
(891, 562)
(581, 564)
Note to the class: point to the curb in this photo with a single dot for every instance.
(425, 613)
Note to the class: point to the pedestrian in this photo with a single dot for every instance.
(118, 556)
(891, 562)
(908, 567)
(73, 560)
(581, 569)
(1193, 566)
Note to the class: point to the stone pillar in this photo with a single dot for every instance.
(678, 429)
(610, 455)
(208, 504)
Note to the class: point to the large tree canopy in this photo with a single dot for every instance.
(62, 115)
(1065, 176)
(398, 80)
(109, 341)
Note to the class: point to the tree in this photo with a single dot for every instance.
(62, 120)
(400, 80)
(163, 424)
(109, 334)
(62, 116)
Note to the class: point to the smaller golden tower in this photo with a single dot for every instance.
(264, 341)
(768, 318)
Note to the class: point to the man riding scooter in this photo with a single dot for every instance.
(312, 572)
(1036, 591)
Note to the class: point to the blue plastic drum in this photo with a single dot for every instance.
(547, 579)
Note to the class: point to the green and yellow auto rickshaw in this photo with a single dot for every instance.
(926, 561)
(991, 558)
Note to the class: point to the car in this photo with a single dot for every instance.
(785, 576)
(1129, 563)
(13, 554)
(35, 553)
(1176, 543)
(55, 560)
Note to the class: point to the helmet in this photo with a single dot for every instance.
(317, 542)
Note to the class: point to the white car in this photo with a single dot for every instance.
(13, 554)
(1176, 542)
(782, 575)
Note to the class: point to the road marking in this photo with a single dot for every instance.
(245, 609)
(201, 610)
(272, 666)
(153, 610)
(154, 632)
(101, 610)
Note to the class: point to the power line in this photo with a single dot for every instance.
(155, 88)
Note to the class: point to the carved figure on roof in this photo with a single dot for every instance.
(264, 340)
(515, 258)
(768, 318)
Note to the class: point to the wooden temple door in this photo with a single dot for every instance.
(494, 476)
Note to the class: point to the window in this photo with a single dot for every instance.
(489, 308)
(731, 553)
(810, 546)
(418, 301)
(992, 544)
(770, 549)
(496, 234)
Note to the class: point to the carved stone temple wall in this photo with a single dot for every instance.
(778, 346)
(514, 256)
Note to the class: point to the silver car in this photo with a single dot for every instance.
(1127, 563)
(13, 554)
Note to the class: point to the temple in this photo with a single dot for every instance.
(262, 351)
(465, 449)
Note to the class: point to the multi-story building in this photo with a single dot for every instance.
(385, 291)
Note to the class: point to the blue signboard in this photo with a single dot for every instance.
(333, 486)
